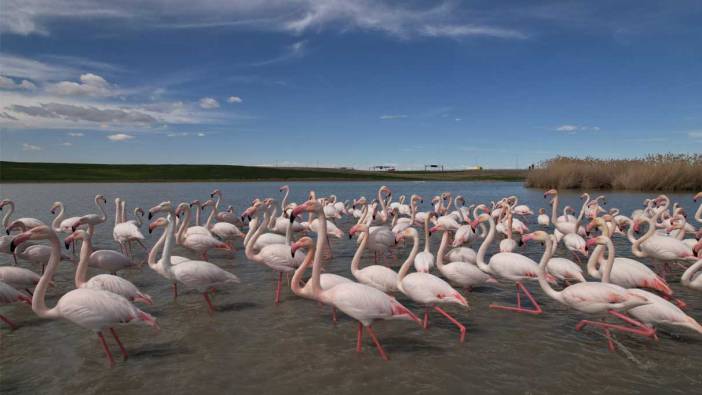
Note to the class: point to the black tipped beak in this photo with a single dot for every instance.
(521, 243)
(350, 236)
(150, 215)
(73, 228)
(211, 195)
(191, 205)
(292, 253)
(292, 218)
(52, 212)
(7, 231)
(67, 244)
(150, 231)
(12, 246)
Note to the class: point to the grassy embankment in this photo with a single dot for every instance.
(69, 172)
(654, 173)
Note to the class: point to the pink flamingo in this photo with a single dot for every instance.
(92, 309)
(197, 241)
(93, 219)
(20, 223)
(426, 288)
(105, 282)
(200, 275)
(595, 297)
(19, 277)
(361, 302)
(458, 273)
(376, 276)
(10, 295)
(508, 266)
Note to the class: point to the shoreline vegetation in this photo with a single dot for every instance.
(24, 172)
(664, 172)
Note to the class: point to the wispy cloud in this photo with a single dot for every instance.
(76, 134)
(89, 85)
(120, 137)
(9, 83)
(295, 50)
(30, 147)
(393, 116)
(695, 134)
(234, 99)
(185, 134)
(208, 103)
(573, 129)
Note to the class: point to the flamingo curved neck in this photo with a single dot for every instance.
(39, 297)
(554, 209)
(56, 223)
(404, 269)
(427, 236)
(103, 210)
(261, 226)
(698, 214)
(82, 270)
(8, 214)
(210, 218)
(442, 251)
(545, 286)
(687, 275)
(315, 284)
(480, 259)
(299, 272)
(356, 261)
(168, 247)
(183, 226)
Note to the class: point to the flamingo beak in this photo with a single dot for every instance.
(19, 239)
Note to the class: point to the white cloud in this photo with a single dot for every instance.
(178, 134)
(30, 147)
(201, 135)
(396, 116)
(120, 137)
(9, 83)
(67, 144)
(695, 134)
(234, 99)
(208, 103)
(89, 85)
(572, 129)
(458, 31)
(76, 134)
(293, 51)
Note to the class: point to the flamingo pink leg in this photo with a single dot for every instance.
(519, 309)
(334, 314)
(8, 322)
(639, 328)
(278, 287)
(678, 302)
(359, 338)
(119, 343)
(377, 343)
(210, 308)
(460, 326)
(108, 354)
(425, 322)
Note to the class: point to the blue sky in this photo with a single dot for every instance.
(343, 83)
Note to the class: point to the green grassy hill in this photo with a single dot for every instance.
(75, 172)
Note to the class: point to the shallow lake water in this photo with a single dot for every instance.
(251, 345)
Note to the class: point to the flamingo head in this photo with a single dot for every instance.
(5, 202)
(157, 223)
(409, 232)
(312, 205)
(162, 207)
(216, 192)
(196, 203)
(251, 211)
(446, 196)
(284, 188)
(550, 192)
(417, 198)
(362, 228)
(698, 196)
(697, 248)
(478, 220)
(304, 242)
(385, 189)
(599, 240)
(55, 207)
(79, 234)
(42, 232)
(539, 235)
(542, 211)
(208, 203)
(16, 224)
(596, 222)
(100, 198)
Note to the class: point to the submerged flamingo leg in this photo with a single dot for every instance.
(377, 343)
(519, 309)
(210, 308)
(460, 326)
(425, 322)
(610, 343)
(334, 315)
(8, 322)
(119, 343)
(277, 288)
(175, 290)
(108, 354)
(359, 338)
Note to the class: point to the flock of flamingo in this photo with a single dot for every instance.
(634, 296)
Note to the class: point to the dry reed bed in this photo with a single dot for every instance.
(669, 172)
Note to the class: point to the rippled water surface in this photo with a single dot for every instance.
(251, 345)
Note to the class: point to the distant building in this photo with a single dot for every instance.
(383, 168)
(474, 168)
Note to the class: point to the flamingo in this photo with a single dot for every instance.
(93, 219)
(21, 223)
(424, 261)
(105, 282)
(361, 302)
(9, 295)
(595, 297)
(152, 261)
(698, 213)
(458, 273)
(197, 241)
(543, 219)
(126, 232)
(692, 278)
(428, 289)
(18, 277)
(202, 276)
(37, 254)
(60, 224)
(508, 266)
(92, 309)
(376, 276)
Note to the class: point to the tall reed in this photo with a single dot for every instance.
(671, 172)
